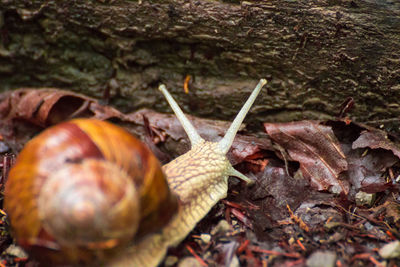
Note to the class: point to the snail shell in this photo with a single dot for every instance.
(84, 188)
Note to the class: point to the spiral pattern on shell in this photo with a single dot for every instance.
(66, 178)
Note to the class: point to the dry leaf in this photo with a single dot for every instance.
(317, 150)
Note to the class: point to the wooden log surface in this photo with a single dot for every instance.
(315, 54)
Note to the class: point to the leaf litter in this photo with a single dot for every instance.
(303, 210)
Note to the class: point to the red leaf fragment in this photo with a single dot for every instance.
(298, 220)
(317, 150)
(241, 217)
(198, 258)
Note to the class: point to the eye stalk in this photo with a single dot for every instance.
(226, 142)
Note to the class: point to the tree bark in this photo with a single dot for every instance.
(315, 54)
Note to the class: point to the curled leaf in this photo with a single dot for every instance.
(374, 138)
(317, 150)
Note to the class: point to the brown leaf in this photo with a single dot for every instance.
(374, 138)
(277, 189)
(26, 111)
(49, 106)
(366, 167)
(317, 150)
(365, 170)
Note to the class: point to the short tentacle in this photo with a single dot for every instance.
(233, 172)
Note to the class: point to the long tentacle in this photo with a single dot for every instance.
(194, 137)
(227, 141)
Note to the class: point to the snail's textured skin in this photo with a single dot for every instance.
(200, 179)
(72, 143)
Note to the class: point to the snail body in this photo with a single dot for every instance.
(141, 223)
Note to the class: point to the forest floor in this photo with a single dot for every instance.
(326, 193)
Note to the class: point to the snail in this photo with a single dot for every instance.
(86, 191)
